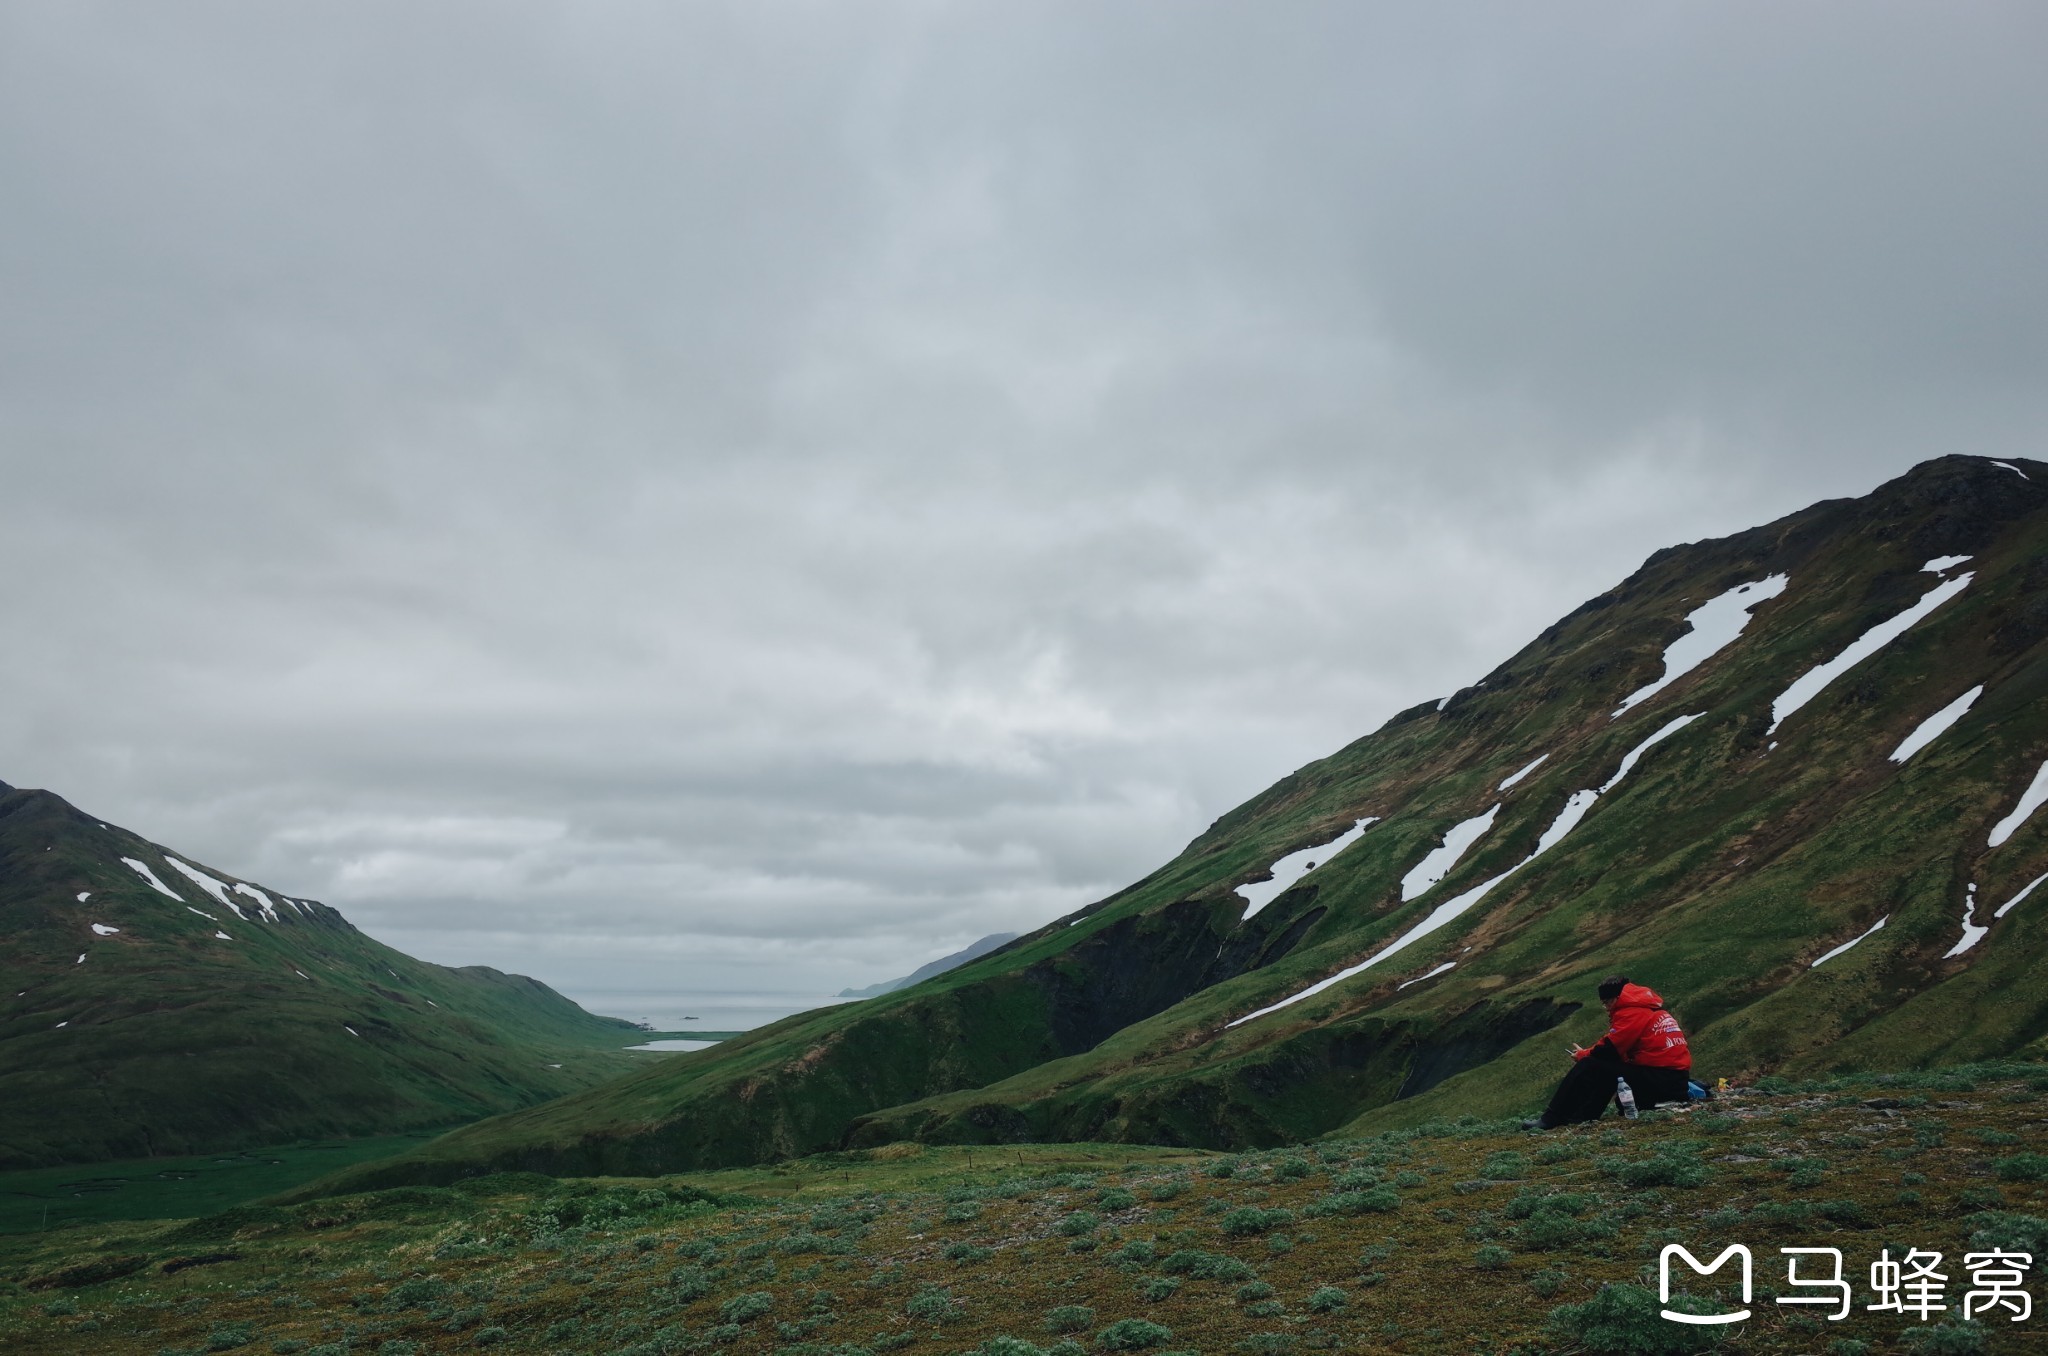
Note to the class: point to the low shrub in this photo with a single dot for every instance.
(1069, 1318)
(745, 1308)
(1375, 1201)
(1249, 1219)
(1506, 1166)
(1624, 1320)
(1132, 1334)
(933, 1304)
(2023, 1168)
(1206, 1266)
(1944, 1339)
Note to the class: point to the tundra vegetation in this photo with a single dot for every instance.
(1459, 1235)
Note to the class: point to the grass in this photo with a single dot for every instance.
(175, 1188)
(847, 1254)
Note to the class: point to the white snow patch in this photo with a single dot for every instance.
(1442, 702)
(1523, 773)
(1869, 643)
(1574, 810)
(203, 914)
(1932, 728)
(2030, 801)
(302, 974)
(103, 930)
(142, 869)
(223, 936)
(2024, 892)
(351, 1031)
(1439, 862)
(217, 888)
(84, 895)
(1828, 956)
(1972, 934)
(61, 1025)
(1428, 974)
(1715, 625)
(80, 960)
(1943, 564)
(432, 1004)
(262, 900)
(2014, 469)
(1295, 865)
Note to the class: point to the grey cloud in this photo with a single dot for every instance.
(744, 490)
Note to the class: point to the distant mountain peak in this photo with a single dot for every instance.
(972, 951)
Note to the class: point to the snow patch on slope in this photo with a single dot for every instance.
(2012, 468)
(1830, 955)
(217, 888)
(1439, 862)
(262, 900)
(1428, 974)
(103, 930)
(1932, 728)
(1715, 625)
(1972, 933)
(1523, 773)
(1295, 865)
(1869, 643)
(142, 869)
(84, 895)
(2025, 890)
(1943, 564)
(2030, 801)
(1575, 810)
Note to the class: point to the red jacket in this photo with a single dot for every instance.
(1641, 1032)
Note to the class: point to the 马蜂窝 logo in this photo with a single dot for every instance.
(1664, 1282)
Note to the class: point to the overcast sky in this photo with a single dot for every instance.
(681, 497)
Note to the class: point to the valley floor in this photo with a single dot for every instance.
(1452, 1237)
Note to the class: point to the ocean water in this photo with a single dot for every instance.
(704, 1011)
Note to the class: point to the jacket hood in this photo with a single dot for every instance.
(1636, 996)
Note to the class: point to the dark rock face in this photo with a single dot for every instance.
(1480, 1035)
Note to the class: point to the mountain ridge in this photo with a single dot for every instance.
(151, 1005)
(975, 949)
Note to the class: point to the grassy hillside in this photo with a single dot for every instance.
(1716, 863)
(1452, 1236)
(134, 1024)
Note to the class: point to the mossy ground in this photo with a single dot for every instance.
(1464, 1236)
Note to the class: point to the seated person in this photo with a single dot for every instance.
(1643, 1045)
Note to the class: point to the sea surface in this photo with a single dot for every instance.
(703, 1011)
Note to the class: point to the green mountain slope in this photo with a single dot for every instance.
(1707, 839)
(136, 1024)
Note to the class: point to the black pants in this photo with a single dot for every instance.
(1584, 1093)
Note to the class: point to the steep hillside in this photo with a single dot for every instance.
(1723, 777)
(150, 1006)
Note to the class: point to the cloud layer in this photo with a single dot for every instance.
(679, 498)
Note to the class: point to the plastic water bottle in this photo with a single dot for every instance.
(1626, 1096)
